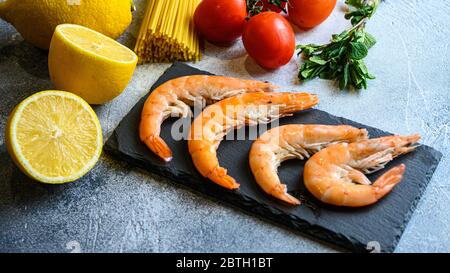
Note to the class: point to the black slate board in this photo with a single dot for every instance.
(351, 229)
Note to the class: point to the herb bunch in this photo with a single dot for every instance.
(255, 7)
(342, 59)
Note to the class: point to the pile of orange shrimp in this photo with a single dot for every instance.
(338, 156)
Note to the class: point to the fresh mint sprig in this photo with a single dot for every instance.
(342, 59)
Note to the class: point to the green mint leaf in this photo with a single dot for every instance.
(365, 38)
(369, 40)
(339, 37)
(308, 50)
(306, 73)
(361, 10)
(318, 60)
(358, 50)
(327, 75)
(355, 77)
(342, 59)
(345, 78)
(333, 65)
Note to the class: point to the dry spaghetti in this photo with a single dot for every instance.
(167, 32)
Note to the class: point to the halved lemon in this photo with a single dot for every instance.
(54, 137)
(89, 64)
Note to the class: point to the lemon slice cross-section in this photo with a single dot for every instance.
(92, 42)
(54, 137)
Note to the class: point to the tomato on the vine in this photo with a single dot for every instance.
(220, 21)
(310, 13)
(269, 39)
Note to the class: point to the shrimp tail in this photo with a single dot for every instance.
(407, 145)
(280, 192)
(300, 101)
(159, 147)
(219, 175)
(388, 180)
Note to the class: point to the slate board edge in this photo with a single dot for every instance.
(252, 207)
(277, 217)
(312, 231)
(438, 157)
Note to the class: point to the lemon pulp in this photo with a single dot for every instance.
(89, 64)
(54, 136)
(96, 43)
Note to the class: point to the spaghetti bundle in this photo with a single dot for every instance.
(167, 32)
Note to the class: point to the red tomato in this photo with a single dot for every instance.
(269, 39)
(271, 7)
(220, 21)
(310, 13)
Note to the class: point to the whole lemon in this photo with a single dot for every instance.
(36, 20)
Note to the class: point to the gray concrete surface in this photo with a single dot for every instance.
(119, 208)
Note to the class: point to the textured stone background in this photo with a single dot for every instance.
(119, 208)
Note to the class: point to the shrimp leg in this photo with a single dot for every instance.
(174, 98)
(209, 128)
(336, 175)
(293, 141)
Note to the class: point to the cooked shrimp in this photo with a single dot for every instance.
(218, 119)
(293, 141)
(336, 175)
(174, 98)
